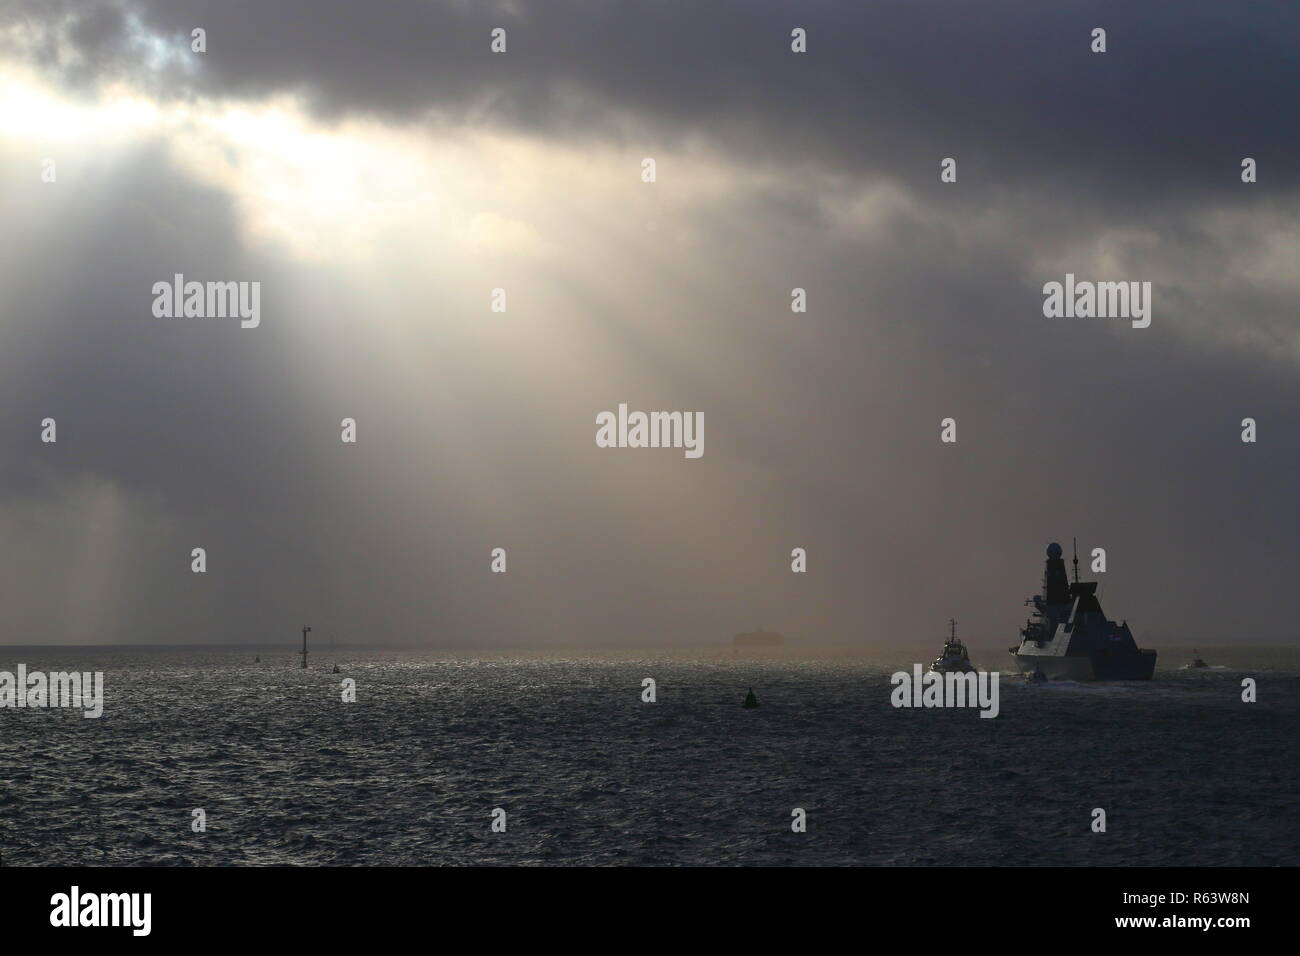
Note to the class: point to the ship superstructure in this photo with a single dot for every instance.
(1068, 636)
(954, 658)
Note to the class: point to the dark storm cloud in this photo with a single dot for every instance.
(1010, 89)
(822, 429)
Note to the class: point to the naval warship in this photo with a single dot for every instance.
(1069, 637)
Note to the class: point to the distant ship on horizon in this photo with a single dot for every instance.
(1069, 637)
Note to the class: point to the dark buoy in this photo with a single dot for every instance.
(336, 668)
(258, 659)
(750, 700)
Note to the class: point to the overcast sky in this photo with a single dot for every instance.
(380, 171)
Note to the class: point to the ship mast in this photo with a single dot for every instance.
(1076, 560)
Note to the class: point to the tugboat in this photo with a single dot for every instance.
(1196, 663)
(954, 659)
(1069, 637)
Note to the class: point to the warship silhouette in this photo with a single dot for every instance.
(1069, 637)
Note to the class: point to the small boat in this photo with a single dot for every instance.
(954, 659)
(1196, 662)
(750, 700)
(336, 669)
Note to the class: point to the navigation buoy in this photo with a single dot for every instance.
(750, 699)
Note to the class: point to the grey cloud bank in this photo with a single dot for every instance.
(476, 430)
(1011, 88)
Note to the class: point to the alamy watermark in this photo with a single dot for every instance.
(1102, 300)
(59, 689)
(75, 908)
(932, 689)
(651, 430)
(210, 300)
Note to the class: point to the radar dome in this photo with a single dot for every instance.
(1053, 550)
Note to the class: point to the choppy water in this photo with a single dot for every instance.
(589, 774)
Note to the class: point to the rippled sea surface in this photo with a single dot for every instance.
(589, 774)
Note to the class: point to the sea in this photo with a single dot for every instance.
(208, 756)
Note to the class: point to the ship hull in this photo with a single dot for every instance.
(950, 667)
(1090, 667)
